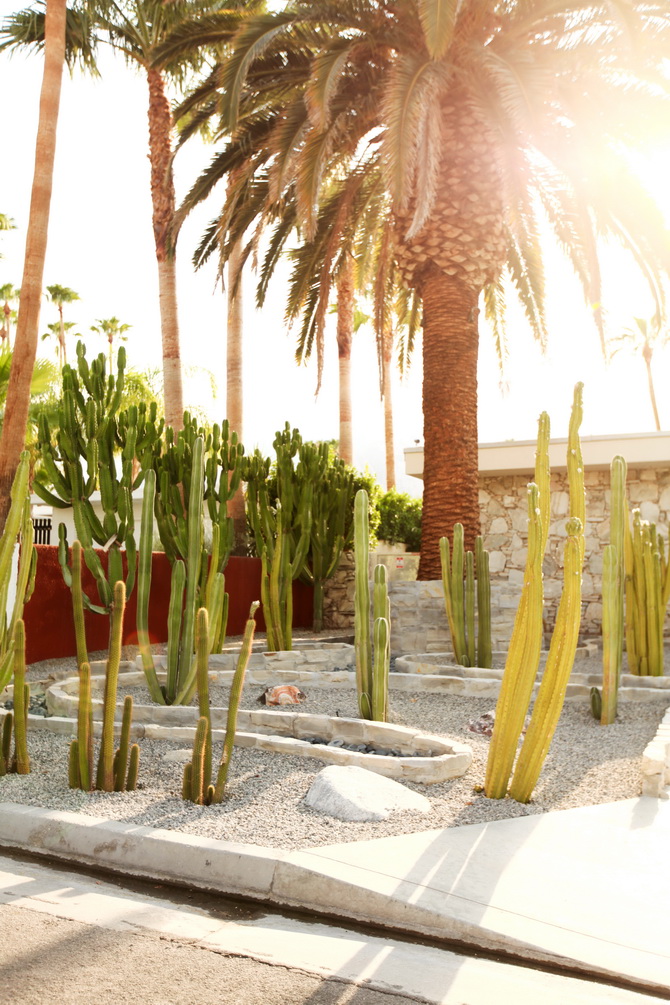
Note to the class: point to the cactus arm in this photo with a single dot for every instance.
(484, 645)
(21, 700)
(380, 673)
(543, 474)
(611, 635)
(106, 762)
(470, 606)
(445, 562)
(124, 745)
(177, 583)
(202, 665)
(195, 519)
(18, 494)
(457, 560)
(73, 778)
(522, 661)
(233, 705)
(575, 464)
(78, 606)
(144, 587)
(274, 584)
(362, 646)
(652, 583)
(560, 659)
(84, 737)
(27, 557)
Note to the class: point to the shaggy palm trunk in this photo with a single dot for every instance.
(235, 384)
(345, 328)
(460, 248)
(450, 470)
(387, 354)
(25, 343)
(163, 203)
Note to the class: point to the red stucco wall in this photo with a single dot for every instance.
(48, 614)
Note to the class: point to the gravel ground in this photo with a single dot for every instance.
(264, 805)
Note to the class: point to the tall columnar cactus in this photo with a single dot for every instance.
(88, 438)
(117, 769)
(280, 516)
(197, 772)
(524, 650)
(647, 591)
(551, 694)
(18, 719)
(461, 600)
(613, 581)
(18, 532)
(372, 663)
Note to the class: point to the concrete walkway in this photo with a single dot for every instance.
(68, 938)
(588, 888)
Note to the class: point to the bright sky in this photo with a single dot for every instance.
(101, 245)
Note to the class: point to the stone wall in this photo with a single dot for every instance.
(417, 609)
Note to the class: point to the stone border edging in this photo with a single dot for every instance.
(284, 732)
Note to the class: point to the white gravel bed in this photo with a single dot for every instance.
(264, 805)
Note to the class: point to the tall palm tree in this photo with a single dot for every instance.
(490, 122)
(57, 330)
(135, 28)
(60, 295)
(112, 329)
(25, 343)
(644, 338)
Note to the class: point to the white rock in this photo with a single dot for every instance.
(352, 793)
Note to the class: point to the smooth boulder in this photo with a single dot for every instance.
(351, 793)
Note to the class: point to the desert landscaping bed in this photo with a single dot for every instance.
(587, 764)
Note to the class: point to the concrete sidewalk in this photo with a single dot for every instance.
(586, 888)
(67, 937)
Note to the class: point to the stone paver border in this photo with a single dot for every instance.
(284, 731)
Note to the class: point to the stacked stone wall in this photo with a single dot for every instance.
(417, 609)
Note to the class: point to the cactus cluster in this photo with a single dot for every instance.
(19, 761)
(116, 769)
(197, 781)
(647, 572)
(18, 532)
(281, 528)
(461, 599)
(525, 645)
(372, 649)
(82, 460)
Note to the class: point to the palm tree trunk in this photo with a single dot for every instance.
(25, 343)
(450, 466)
(345, 328)
(387, 354)
(235, 385)
(163, 203)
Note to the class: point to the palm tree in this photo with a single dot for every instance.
(10, 295)
(112, 329)
(489, 123)
(135, 28)
(58, 330)
(645, 337)
(25, 343)
(60, 295)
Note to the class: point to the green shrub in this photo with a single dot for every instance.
(400, 519)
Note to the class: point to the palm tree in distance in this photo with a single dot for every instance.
(113, 330)
(9, 295)
(25, 343)
(60, 295)
(57, 330)
(134, 28)
(644, 338)
(489, 124)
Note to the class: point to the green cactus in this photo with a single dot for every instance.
(460, 601)
(646, 600)
(372, 663)
(216, 793)
(144, 588)
(551, 694)
(282, 530)
(18, 532)
(17, 721)
(117, 769)
(524, 650)
(88, 438)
